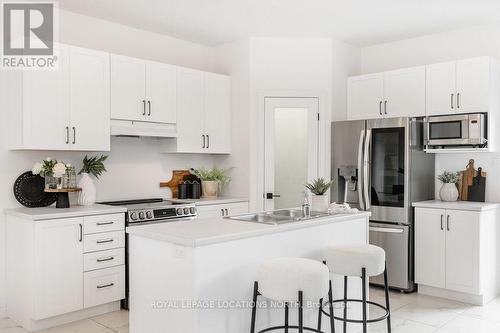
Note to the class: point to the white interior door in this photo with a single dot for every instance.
(291, 149)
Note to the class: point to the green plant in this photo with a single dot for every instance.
(215, 174)
(93, 165)
(44, 168)
(449, 177)
(319, 186)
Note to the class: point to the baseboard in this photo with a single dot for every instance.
(453, 295)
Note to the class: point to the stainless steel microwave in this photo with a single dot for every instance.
(457, 130)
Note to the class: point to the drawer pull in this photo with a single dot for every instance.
(105, 259)
(104, 223)
(105, 286)
(102, 241)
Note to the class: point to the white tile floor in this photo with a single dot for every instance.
(411, 313)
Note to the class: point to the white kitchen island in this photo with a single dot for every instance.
(197, 276)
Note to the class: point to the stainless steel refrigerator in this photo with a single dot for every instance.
(380, 166)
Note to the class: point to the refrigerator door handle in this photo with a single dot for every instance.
(360, 168)
(366, 162)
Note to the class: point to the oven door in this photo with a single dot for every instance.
(448, 130)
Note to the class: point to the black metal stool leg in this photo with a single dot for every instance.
(363, 288)
(386, 287)
(254, 306)
(330, 303)
(320, 313)
(286, 317)
(345, 304)
(301, 319)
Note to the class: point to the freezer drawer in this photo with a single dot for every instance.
(395, 240)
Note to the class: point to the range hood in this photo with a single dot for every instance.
(142, 129)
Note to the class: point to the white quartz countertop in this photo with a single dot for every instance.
(457, 205)
(200, 232)
(48, 213)
(212, 201)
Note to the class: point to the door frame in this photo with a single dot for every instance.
(257, 159)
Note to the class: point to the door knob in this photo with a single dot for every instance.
(272, 195)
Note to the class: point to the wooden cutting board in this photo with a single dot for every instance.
(477, 191)
(173, 183)
(467, 179)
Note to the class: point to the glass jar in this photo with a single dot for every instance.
(70, 177)
(51, 182)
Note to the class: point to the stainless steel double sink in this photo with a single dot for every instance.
(277, 217)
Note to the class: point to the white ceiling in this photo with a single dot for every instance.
(360, 22)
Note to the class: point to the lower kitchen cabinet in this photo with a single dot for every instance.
(455, 253)
(222, 210)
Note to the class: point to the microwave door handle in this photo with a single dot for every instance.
(360, 168)
(366, 161)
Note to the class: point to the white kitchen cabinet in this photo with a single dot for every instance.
(58, 286)
(62, 109)
(440, 88)
(142, 90)
(222, 210)
(456, 250)
(203, 113)
(398, 93)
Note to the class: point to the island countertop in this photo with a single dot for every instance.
(200, 232)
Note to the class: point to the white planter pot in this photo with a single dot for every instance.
(88, 195)
(320, 203)
(448, 192)
(209, 188)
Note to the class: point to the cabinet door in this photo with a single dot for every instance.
(191, 135)
(218, 112)
(404, 92)
(430, 247)
(58, 274)
(440, 88)
(365, 96)
(237, 208)
(89, 100)
(209, 211)
(45, 106)
(462, 251)
(128, 88)
(161, 93)
(473, 82)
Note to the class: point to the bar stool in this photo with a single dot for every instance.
(290, 280)
(360, 260)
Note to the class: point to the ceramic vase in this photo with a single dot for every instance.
(320, 203)
(209, 188)
(448, 192)
(88, 195)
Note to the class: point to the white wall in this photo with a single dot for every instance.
(135, 166)
(446, 46)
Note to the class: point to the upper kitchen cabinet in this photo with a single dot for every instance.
(66, 108)
(397, 93)
(142, 90)
(203, 113)
(462, 86)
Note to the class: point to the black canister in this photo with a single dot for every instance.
(194, 190)
(183, 191)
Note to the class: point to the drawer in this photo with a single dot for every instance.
(103, 286)
(103, 241)
(103, 223)
(103, 259)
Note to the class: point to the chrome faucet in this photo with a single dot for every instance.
(306, 207)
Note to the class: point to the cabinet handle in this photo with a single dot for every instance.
(385, 107)
(203, 141)
(380, 107)
(458, 100)
(448, 222)
(452, 107)
(74, 135)
(67, 134)
(80, 227)
(104, 223)
(102, 241)
(442, 218)
(105, 286)
(222, 212)
(227, 214)
(105, 259)
(208, 141)
(149, 108)
(143, 107)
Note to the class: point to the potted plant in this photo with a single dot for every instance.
(449, 190)
(320, 199)
(212, 180)
(52, 171)
(91, 166)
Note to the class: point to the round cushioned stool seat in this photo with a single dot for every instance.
(281, 279)
(348, 260)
